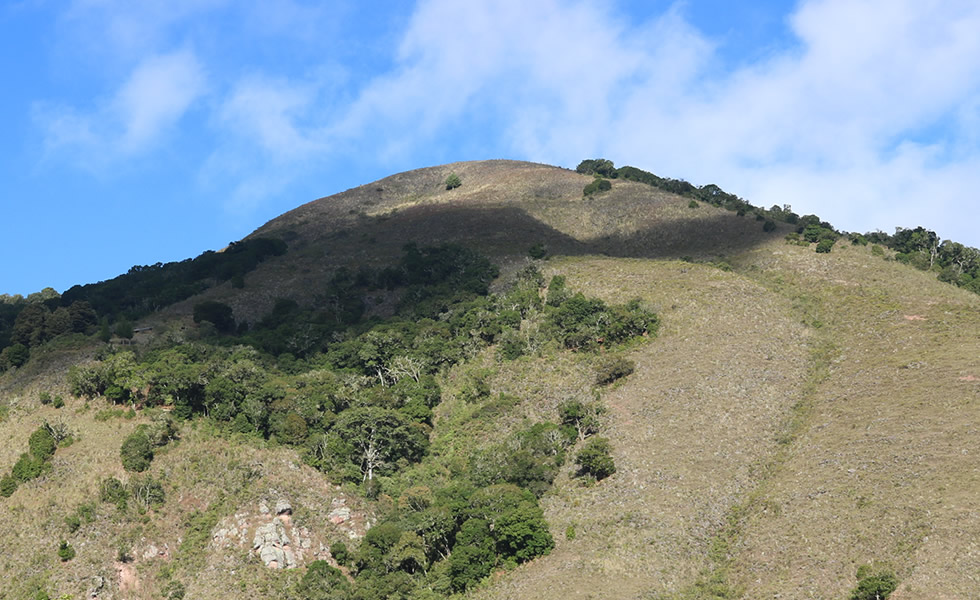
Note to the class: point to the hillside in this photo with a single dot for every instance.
(791, 416)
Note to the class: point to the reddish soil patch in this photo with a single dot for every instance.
(128, 579)
(970, 378)
(914, 318)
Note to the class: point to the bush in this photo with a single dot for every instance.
(769, 226)
(598, 185)
(58, 402)
(113, 491)
(613, 368)
(147, 493)
(175, 590)
(453, 181)
(42, 444)
(136, 452)
(339, 552)
(875, 587)
(28, 467)
(44, 397)
(594, 461)
(693, 204)
(877, 250)
(73, 522)
(537, 251)
(825, 245)
(8, 485)
(218, 313)
(597, 166)
(65, 551)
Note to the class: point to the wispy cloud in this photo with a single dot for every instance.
(867, 114)
(861, 118)
(145, 107)
(267, 112)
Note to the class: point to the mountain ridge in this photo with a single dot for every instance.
(797, 416)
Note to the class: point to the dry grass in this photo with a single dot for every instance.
(830, 402)
(689, 428)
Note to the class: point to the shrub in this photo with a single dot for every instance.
(136, 452)
(339, 552)
(453, 181)
(113, 491)
(824, 246)
(65, 551)
(146, 492)
(58, 402)
(598, 185)
(597, 166)
(875, 587)
(8, 485)
(594, 461)
(537, 251)
(73, 522)
(582, 417)
(218, 313)
(44, 397)
(693, 204)
(42, 444)
(322, 582)
(613, 368)
(175, 590)
(28, 467)
(769, 226)
(877, 250)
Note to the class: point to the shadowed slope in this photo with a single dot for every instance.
(502, 209)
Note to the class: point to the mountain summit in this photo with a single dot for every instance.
(505, 380)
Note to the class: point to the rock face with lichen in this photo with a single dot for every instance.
(282, 544)
(272, 545)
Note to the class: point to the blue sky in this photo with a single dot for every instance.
(138, 132)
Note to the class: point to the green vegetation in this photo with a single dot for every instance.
(951, 261)
(37, 461)
(455, 410)
(594, 460)
(111, 306)
(453, 181)
(824, 246)
(597, 186)
(613, 369)
(136, 452)
(65, 551)
(874, 586)
(357, 402)
(537, 251)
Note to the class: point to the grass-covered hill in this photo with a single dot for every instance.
(539, 383)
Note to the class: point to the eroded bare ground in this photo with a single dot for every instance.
(691, 428)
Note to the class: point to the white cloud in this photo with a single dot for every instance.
(266, 112)
(158, 92)
(871, 115)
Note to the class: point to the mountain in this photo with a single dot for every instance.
(790, 423)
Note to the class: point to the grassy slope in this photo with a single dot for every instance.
(797, 417)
